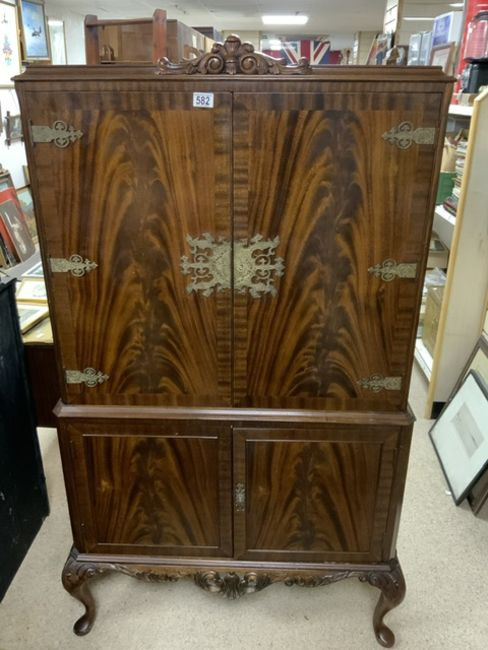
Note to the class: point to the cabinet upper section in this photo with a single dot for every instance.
(263, 249)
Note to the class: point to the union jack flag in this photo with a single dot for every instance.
(317, 52)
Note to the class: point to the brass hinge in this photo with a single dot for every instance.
(89, 376)
(404, 135)
(240, 497)
(391, 269)
(59, 133)
(75, 265)
(377, 383)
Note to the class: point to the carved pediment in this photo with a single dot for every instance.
(233, 57)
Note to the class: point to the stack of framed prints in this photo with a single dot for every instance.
(32, 301)
(460, 434)
(18, 234)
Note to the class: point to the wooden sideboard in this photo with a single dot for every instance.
(234, 291)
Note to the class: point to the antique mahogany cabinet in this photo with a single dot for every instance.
(234, 251)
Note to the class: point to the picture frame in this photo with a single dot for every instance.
(32, 290)
(24, 195)
(443, 56)
(57, 40)
(14, 224)
(35, 271)
(5, 180)
(30, 314)
(25, 170)
(40, 333)
(34, 31)
(460, 437)
(379, 48)
(10, 59)
(478, 361)
(13, 128)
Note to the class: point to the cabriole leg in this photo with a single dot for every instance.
(392, 586)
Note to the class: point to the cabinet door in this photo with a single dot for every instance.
(148, 488)
(316, 495)
(144, 173)
(326, 319)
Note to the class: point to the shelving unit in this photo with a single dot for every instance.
(466, 292)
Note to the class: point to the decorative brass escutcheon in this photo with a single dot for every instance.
(377, 383)
(89, 376)
(405, 134)
(255, 265)
(240, 497)
(75, 265)
(391, 269)
(59, 133)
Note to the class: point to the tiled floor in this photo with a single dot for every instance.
(443, 550)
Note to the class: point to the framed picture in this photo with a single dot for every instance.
(5, 180)
(10, 45)
(25, 169)
(460, 437)
(40, 333)
(15, 225)
(443, 56)
(35, 38)
(25, 199)
(13, 128)
(30, 314)
(478, 361)
(35, 271)
(32, 290)
(379, 48)
(57, 40)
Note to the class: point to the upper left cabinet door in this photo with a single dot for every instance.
(133, 196)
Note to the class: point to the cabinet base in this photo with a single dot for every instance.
(388, 578)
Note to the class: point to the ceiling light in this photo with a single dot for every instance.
(292, 19)
(424, 18)
(54, 22)
(457, 5)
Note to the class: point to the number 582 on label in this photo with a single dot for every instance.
(203, 100)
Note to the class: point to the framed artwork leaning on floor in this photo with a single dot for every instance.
(460, 436)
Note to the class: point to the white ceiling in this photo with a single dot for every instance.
(326, 16)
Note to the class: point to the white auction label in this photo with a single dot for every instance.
(203, 100)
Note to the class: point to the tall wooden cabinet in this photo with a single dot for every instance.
(234, 290)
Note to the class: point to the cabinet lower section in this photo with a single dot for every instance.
(235, 499)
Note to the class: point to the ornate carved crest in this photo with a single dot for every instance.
(234, 57)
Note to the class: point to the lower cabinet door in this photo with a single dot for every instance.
(148, 488)
(328, 495)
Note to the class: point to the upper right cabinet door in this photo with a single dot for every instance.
(332, 215)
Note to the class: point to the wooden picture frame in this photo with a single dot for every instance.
(443, 56)
(13, 128)
(10, 60)
(32, 290)
(24, 195)
(34, 31)
(30, 314)
(460, 437)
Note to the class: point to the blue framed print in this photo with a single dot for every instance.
(35, 36)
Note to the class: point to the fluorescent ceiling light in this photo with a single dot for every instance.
(420, 18)
(54, 22)
(456, 5)
(291, 19)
